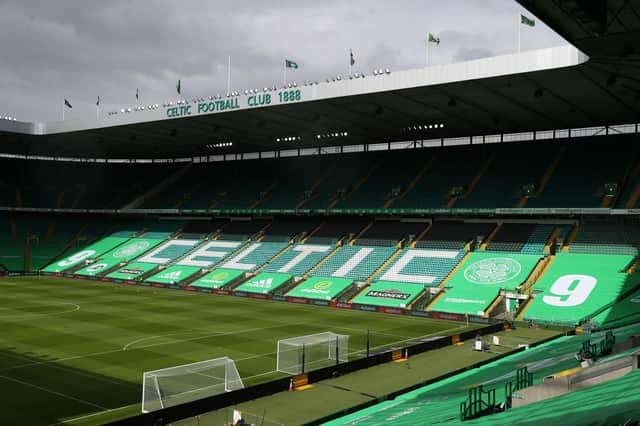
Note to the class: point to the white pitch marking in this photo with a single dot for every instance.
(76, 307)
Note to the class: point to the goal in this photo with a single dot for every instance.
(176, 385)
(304, 353)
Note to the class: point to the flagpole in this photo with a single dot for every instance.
(519, 29)
(350, 66)
(427, 51)
(229, 75)
(284, 74)
(63, 105)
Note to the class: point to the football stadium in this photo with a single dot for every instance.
(450, 244)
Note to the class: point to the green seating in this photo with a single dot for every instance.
(429, 268)
(253, 256)
(354, 262)
(299, 259)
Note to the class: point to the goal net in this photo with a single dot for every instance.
(184, 383)
(305, 353)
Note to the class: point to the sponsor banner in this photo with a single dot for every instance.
(130, 282)
(90, 252)
(189, 288)
(173, 274)
(106, 280)
(279, 298)
(143, 283)
(203, 290)
(222, 292)
(320, 288)
(479, 320)
(217, 278)
(264, 283)
(319, 302)
(297, 300)
(240, 294)
(389, 294)
(391, 311)
(421, 314)
(340, 305)
(173, 286)
(29, 274)
(132, 271)
(257, 296)
(368, 308)
(446, 316)
(158, 285)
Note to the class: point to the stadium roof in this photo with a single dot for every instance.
(536, 90)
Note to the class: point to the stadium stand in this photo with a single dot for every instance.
(581, 175)
(355, 262)
(332, 230)
(454, 234)
(483, 276)
(440, 402)
(577, 286)
(390, 232)
(420, 266)
(605, 238)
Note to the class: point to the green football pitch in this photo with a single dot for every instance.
(74, 351)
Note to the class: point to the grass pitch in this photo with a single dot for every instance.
(75, 351)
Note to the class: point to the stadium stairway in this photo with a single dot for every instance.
(359, 183)
(384, 265)
(487, 240)
(412, 183)
(454, 270)
(323, 260)
(161, 186)
(570, 237)
(546, 177)
(472, 185)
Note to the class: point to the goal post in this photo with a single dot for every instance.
(176, 385)
(297, 355)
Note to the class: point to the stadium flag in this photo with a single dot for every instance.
(98, 101)
(524, 21)
(67, 103)
(431, 39)
(352, 60)
(288, 64)
(98, 109)
(179, 88)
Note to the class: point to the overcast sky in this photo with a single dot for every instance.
(79, 49)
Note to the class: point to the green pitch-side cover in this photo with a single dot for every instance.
(217, 278)
(475, 286)
(90, 252)
(264, 283)
(391, 294)
(578, 285)
(320, 288)
(124, 253)
(173, 274)
(132, 271)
